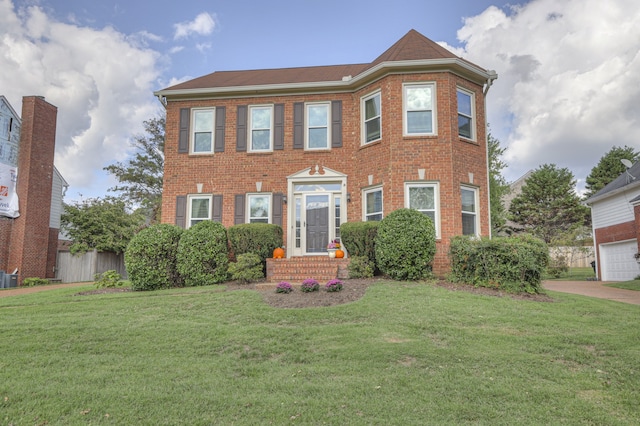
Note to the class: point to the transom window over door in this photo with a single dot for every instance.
(261, 135)
(371, 115)
(318, 126)
(425, 198)
(203, 131)
(465, 114)
(419, 109)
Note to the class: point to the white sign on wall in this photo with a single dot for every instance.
(8, 194)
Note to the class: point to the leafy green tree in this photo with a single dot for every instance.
(548, 205)
(101, 224)
(141, 175)
(498, 186)
(608, 168)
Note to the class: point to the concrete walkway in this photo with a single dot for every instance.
(594, 289)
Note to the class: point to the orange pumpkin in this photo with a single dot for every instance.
(278, 253)
(339, 254)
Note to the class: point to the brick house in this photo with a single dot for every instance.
(29, 237)
(310, 148)
(615, 218)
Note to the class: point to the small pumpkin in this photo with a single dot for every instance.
(339, 254)
(278, 253)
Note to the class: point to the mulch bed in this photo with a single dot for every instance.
(353, 290)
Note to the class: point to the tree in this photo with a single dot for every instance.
(498, 186)
(101, 224)
(548, 205)
(608, 168)
(141, 176)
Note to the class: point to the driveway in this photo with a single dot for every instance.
(594, 289)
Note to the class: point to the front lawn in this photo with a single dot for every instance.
(627, 285)
(405, 354)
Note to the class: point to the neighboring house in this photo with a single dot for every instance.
(615, 215)
(313, 147)
(31, 189)
(515, 189)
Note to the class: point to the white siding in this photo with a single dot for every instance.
(613, 210)
(57, 191)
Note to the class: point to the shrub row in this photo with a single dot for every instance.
(515, 264)
(165, 256)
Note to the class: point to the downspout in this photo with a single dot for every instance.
(492, 76)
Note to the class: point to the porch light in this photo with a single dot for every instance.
(348, 197)
(284, 199)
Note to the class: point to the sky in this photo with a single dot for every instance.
(568, 70)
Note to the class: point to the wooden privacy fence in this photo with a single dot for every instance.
(83, 267)
(576, 257)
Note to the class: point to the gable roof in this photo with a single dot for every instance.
(413, 51)
(628, 180)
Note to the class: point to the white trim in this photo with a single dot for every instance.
(306, 125)
(190, 199)
(473, 117)
(250, 128)
(436, 196)
(476, 204)
(192, 130)
(434, 108)
(363, 115)
(364, 202)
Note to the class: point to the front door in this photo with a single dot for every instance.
(317, 212)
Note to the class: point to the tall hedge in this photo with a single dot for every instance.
(150, 258)
(257, 238)
(406, 245)
(203, 254)
(359, 238)
(515, 264)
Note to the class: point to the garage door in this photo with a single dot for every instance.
(618, 263)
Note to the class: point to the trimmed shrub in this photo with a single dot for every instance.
(359, 238)
(405, 245)
(248, 268)
(360, 267)
(34, 281)
(258, 238)
(203, 254)
(515, 264)
(150, 258)
(108, 279)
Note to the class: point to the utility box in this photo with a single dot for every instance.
(10, 280)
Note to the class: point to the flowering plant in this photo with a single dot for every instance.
(333, 285)
(335, 244)
(284, 287)
(309, 285)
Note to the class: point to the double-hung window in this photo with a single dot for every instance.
(259, 208)
(419, 116)
(199, 209)
(425, 198)
(372, 204)
(469, 198)
(371, 118)
(261, 130)
(203, 125)
(317, 131)
(465, 114)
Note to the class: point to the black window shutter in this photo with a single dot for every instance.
(278, 126)
(183, 136)
(276, 209)
(238, 214)
(217, 209)
(219, 137)
(298, 125)
(336, 124)
(181, 211)
(241, 128)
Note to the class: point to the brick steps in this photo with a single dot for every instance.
(298, 269)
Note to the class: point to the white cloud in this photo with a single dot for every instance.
(569, 79)
(100, 81)
(203, 24)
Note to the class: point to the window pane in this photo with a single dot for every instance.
(318, 115)
(374, 202)
(203, 121)
(422, 198)
(260, 139)
(377, 217)
(261, 118)
(318, 138)
(202, 142)
(372, 107)
(200, 208)
(464, 126)
(464, 103)
(373, 130)
(259, 207)
(419, 98)
(468, 224)
(419, 122)
(468, 201)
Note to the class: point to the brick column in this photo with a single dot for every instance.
(30, 233)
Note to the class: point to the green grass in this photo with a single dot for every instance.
(627, 285)
(405, 354)
(575, 274)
